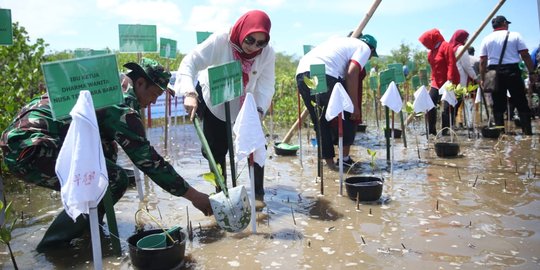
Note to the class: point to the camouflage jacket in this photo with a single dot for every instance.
(120, 124)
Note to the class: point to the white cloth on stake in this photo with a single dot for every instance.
(449, 97)
(80, 165)
(422, 100)
(478, 98)
(249, 136)
(391, 98)
(339, 102)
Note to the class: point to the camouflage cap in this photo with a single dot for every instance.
(152, 71)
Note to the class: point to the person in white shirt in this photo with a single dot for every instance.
(466, 74)
(247, 42)
(508, 72)
(344, 59)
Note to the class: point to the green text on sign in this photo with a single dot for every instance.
(202, 36)
(225, 82)
(167, 48)
(6, 29)
(137, 38)
(65, 79)
(318, 71)
(385, 78)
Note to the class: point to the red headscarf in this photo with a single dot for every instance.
(251, 22)
(458, 39)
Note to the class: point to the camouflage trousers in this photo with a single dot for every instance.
(35, 165)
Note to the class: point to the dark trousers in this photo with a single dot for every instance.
(432, 114)
(215, 132)
(509, 78)
(328, 131)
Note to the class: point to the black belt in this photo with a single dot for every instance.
(503, 66)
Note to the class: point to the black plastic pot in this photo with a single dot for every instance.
(168, 257)
(283, 152)
(361, 128)
(446, 149)
(388, 133)
(367, 188)
(491, 132)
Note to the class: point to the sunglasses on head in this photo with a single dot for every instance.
(249, 40)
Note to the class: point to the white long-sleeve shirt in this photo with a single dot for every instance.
(216, 50)
(465, 67)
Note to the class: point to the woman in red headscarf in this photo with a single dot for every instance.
(466, 74)
(248, 42)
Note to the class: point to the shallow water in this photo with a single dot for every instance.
(476, 211)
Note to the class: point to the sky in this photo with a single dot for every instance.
(93, 24)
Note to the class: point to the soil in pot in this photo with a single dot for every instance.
(169, 257)
(367, 188)
(446, 149)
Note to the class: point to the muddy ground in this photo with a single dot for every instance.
(479, 210)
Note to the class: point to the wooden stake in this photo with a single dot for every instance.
(516, 165)
(363, 241)
(403, 246)
(292, 212)
(437, 206)
(459, 175)
(473, 37)
(358, 201)
(474, 184)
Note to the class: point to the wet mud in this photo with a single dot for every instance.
(479, 210)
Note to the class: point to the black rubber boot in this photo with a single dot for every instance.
(62, 230)
(525, 120)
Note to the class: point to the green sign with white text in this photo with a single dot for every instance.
(137, 38)
(6, 29)
(398, 72)
(319, 71)
(307, 48)
(415, 82)
(167, 48)
(423, 77)
(225, 82)
(89, 52)
(373, 83)
(385, 78)
(65, 79)
(202, 36)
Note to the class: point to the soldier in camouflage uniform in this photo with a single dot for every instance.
(31, 144)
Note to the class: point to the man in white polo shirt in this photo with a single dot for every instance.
(508, 72)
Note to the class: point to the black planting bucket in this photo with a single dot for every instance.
(367, 188)
(282, 151)
(491, 132)
(168, 257)
(388, 133)
(446, 149)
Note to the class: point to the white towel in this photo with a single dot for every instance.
(339, 102)
(449, 97)
(391, 98)
(249, 136)
(422, 100)
(478, 98)
(80, 165)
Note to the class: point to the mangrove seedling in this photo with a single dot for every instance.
(7, 227)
